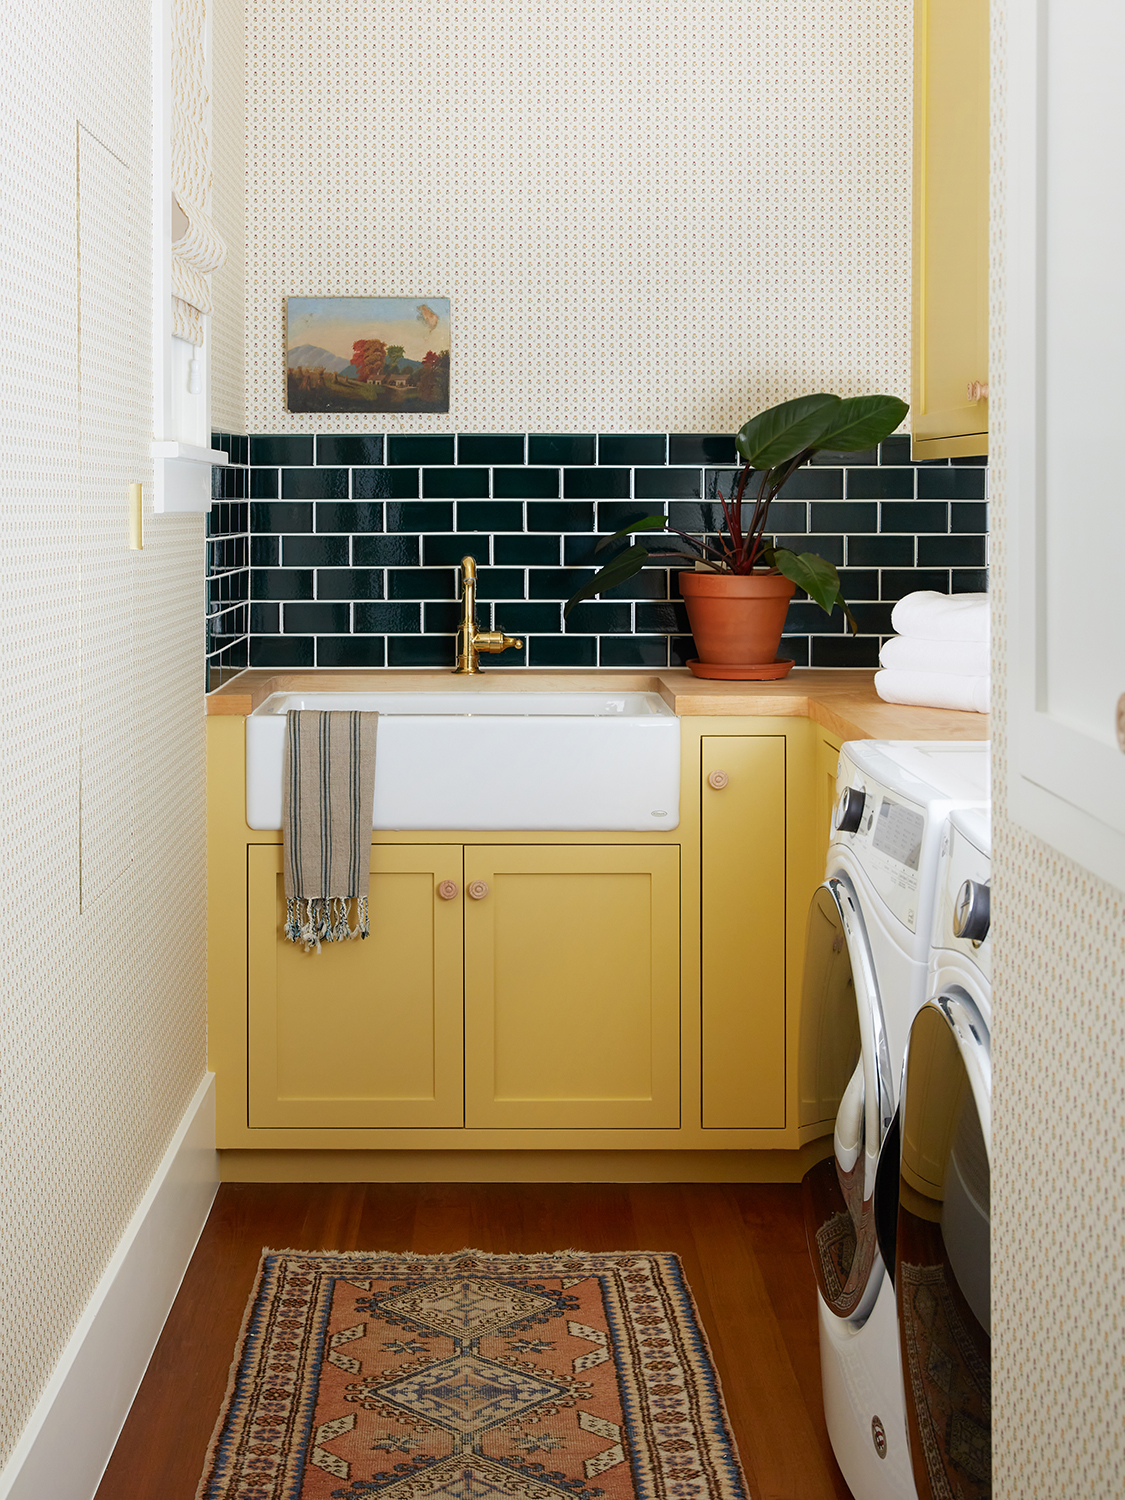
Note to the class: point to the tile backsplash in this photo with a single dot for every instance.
(342, 549)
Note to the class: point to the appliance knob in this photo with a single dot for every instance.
(849, 809)
(971, 912)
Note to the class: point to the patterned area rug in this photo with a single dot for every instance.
(459, 1377)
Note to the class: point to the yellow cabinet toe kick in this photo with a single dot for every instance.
(551, 993)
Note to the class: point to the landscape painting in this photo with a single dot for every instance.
(376, 354)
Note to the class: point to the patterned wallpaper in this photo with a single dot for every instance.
(1058, 1182)
(646, 220)
(102, 978)
(228, 209)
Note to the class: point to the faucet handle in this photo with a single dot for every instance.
(496, 640)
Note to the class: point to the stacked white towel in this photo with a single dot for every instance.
(939, 659)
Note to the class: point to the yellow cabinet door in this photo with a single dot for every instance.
(363, 1033)
(744, 932)
(572, 986)
(951, 114)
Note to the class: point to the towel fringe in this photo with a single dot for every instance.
(311, 920)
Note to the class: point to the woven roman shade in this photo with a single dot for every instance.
(199, 249)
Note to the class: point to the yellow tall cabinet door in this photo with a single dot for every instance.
(951, 118)
(572, 986)
(363, 1033)
(744, 932)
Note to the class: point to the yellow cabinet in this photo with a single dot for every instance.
(744, 934)
(366, 1033)
(951, 113)
(572, 986)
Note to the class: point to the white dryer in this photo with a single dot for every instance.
(940, 1251)
(868, 944)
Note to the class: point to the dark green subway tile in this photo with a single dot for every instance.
(314, 551)
(596, 484)
(500, 583)
(454, 484)
(859, 583)
(844, 515)
(447, 548)
(668, 617)
(809, 484)
(880, 551)
(349, 583)
(349, 448)
(420, 651)
(895, 583)
(722, 484)
(332, 515)
(423, 515)
(562, 448)
(970, 461)
(880, 484)
(443, 618)
(588, 550)
(265, 619)
(701, 448)
(783, 515)
(970, 581)
(490, 448)
(951, 551)
(831, 458)
(240, 449)
(632, 448)
(969, 517)
(614, 514)
(844, 651)
(597, 617)
(265, 551)
(388, 619)
(525, 619)
(281, 651)
(317, 619)
(221, 440)
(386, 551)
(525, 484)
(515, 656)
(490, 515)
(872, 619)
(952, 484)
(895, 450)
(294, 449)
(803, 617)
(649, 583)
(913, 515)
(831, 548)
(794, 648)
(526, 551)
(666, 484)
(422, 583)
(385, 484)
(314, 484)
(563, 651)
(556, 583)
(557, 515)
(420, 448)
(280, 517)
(350, 651)
(634, 651)
(704, 518)
(681, 650)
(281, 583)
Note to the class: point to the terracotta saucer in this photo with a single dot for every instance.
(761, 671)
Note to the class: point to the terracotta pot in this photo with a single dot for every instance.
(736, 619)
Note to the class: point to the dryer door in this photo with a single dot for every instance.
(845, 1088)
(942, 1249)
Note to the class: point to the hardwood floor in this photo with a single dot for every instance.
(743, 1249)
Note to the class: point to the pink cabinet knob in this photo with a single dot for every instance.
(478, 889)
(718, 779)
(447, 890)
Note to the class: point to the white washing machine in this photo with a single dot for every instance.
(940, 1251)
(868, 944)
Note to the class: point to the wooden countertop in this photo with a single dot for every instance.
(842, 700)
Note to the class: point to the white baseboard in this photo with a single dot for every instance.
(63, 1450)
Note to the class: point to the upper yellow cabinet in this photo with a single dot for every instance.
(949, 385)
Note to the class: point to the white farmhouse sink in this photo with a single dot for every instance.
(481, 759)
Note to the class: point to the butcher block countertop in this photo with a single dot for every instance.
(844, 701)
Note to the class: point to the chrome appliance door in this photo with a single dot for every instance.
(845, 1088)
(942, 1249)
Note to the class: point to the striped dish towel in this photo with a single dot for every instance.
(328, 792)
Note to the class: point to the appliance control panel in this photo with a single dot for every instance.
(887, 840)
(963, 894)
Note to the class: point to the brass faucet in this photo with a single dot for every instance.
(470, 640)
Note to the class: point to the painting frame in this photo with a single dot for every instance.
(367, 355)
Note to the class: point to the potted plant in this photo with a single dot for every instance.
(738, 591)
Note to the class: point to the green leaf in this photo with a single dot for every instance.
(818, 578)
(648, 523)
(622, 568)
(780, 433)
(861, 422)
